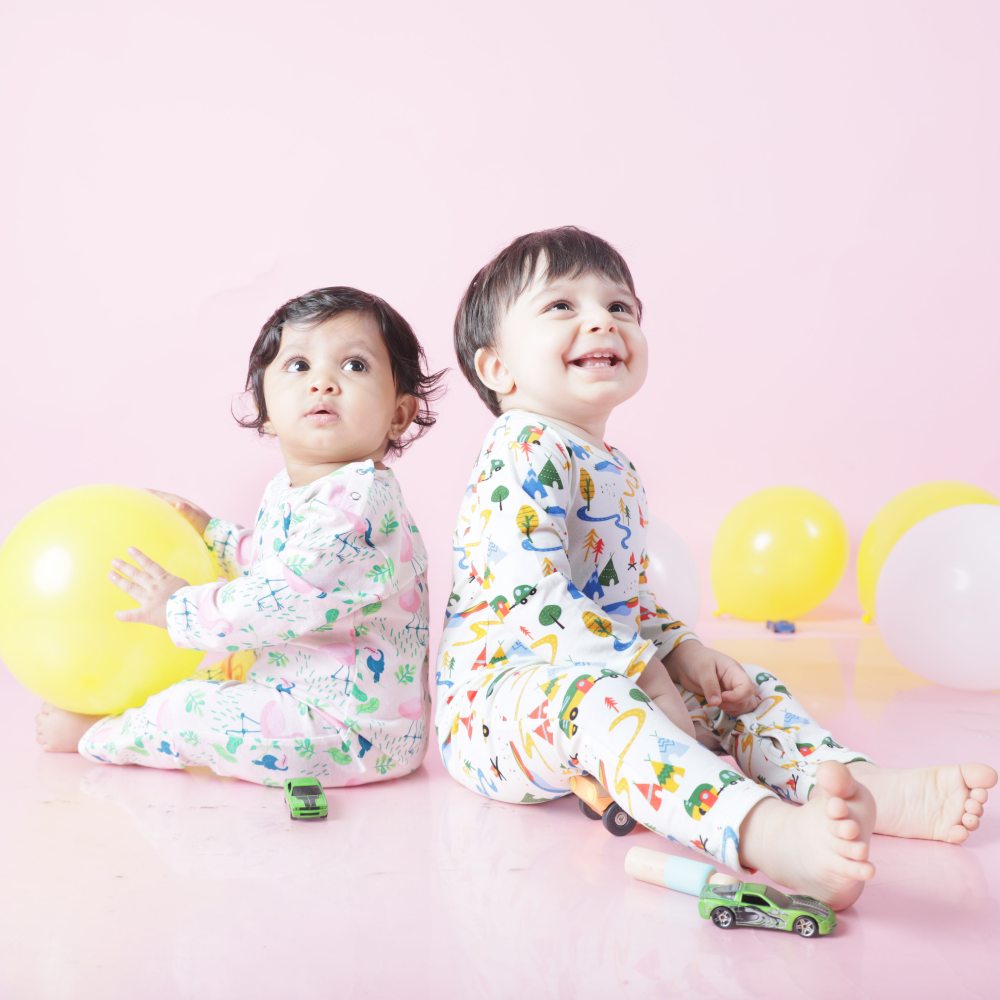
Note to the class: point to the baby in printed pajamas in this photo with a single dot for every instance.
(556, 658)
(324, 616)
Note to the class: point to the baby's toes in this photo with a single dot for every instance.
(970, 822)
(973, 807)
(957, 835)
(979, 794)
(853, 850)
(846, 829)
(855, 869)
(836, 808)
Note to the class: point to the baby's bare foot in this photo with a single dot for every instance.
(819, 849)
(932, 803)
(60, 731)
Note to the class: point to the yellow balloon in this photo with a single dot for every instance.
(58, 631)
(900, 514)
(778, 554)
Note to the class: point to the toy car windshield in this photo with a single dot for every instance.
(311, 789)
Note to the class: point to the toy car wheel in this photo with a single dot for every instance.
(723, 917)
(617, 821)
(587, 811)
(805, 926)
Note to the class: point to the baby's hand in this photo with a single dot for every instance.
(149, 584)
(194, 515)
(718, 678)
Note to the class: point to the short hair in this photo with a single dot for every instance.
(567, 250)
(406, 356)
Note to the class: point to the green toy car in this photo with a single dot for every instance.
(305, 798)
(751, 904)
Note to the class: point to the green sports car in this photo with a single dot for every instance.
(751, 904)
(305, 798)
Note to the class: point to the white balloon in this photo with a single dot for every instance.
(937, 603)
(672, 574)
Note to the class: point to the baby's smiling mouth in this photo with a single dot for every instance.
(597, 359)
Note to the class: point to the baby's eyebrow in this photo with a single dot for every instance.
(561, 288)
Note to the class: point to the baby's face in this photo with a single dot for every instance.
(331, 397)
(569, 348)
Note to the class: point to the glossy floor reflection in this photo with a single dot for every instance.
(131, 882)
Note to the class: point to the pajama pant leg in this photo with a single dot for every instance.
(243, 730)
(524, 736)
(777, 744)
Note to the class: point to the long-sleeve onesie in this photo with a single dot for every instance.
(549, 625)
(325, 623)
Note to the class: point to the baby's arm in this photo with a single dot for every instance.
(657, 683)
(683, 658)
(318, 576)
(229, 542)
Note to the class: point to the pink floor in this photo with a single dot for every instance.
(131, 882)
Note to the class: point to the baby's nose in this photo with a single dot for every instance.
(599, 323)
(324, 383)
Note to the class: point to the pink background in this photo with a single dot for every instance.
(807, 197)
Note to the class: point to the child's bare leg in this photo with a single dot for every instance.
(931, 803)
(60, 731)
(820, 848)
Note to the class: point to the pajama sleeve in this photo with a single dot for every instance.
(659, 626)
(322, 571)
(526, 538)
(231, 544)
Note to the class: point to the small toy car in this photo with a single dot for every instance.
(595, 803)
(751, 904)
(305, 798)
(781, 626)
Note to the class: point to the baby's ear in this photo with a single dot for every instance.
(406, 409)
(492, 372)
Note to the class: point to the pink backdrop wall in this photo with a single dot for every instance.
(808, 197)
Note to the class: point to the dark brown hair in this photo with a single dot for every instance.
(565, 251)
(406, 356)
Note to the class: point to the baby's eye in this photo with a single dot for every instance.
(297, 365)
(561, 305)
(620, 307)
(355, 365)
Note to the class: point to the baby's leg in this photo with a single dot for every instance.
(780, 744)
(521, 738)
(243, 730)
(777, 743)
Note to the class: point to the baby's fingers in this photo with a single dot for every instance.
(151, 567)
(132, 615)
(129, 586)
(127, 571)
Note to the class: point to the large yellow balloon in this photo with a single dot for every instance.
(778, 554)
(900, 514)
(58, 631)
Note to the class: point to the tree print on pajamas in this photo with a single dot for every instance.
(325, 623)
(549, 625)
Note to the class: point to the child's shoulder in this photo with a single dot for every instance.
(352, 487)
(527, 431)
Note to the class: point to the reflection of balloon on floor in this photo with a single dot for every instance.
(938, 598)
(896, 517)
(778, 554)
(58, 631)
(672, 575)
